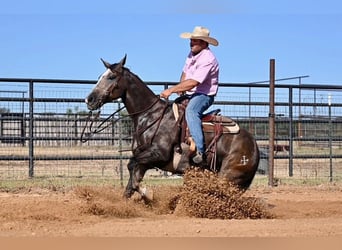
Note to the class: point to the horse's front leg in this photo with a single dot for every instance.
(129, 191)
(136, 174)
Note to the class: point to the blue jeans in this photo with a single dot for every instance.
(194, 111)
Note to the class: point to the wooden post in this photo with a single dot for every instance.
(271, 123)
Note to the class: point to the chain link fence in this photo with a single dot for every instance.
(41, 123)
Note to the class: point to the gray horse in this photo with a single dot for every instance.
(156, 136)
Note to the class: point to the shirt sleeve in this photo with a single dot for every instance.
(201, 72)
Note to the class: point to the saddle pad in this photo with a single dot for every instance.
(228, 128)
(175, 111)
(228, 125)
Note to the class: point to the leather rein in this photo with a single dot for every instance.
(91, 119)
(85, 136)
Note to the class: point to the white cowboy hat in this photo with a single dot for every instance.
(201, 33)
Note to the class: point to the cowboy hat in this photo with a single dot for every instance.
(201, 33)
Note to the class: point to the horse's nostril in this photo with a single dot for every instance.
(89, 99)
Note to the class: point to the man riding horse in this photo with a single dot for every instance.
(157, 131)
(199, 80)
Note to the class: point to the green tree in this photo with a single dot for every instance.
(4, 110)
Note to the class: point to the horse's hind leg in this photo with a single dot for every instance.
(238, 169)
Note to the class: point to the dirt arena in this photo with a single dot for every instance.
(283, 211)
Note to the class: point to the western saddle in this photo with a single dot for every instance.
(212, 122)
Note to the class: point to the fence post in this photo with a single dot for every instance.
(271, 116)
(330, 141)
(31, 126)
(120, 145)
(291, 132)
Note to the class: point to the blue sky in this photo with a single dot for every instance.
(65, 39)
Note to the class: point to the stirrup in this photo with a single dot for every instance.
(198, 158)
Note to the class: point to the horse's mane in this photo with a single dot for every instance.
(132, 77)
(128, 73)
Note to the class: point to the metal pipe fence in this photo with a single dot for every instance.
(41, 121)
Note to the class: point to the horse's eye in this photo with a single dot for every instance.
(111, 77)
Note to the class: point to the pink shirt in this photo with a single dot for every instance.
(204, 69)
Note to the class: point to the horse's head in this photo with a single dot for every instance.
(108, 87)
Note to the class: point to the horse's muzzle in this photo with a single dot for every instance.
(92, 102)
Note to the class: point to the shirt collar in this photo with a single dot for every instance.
(199, 54)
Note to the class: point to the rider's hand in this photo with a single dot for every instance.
(166, 93)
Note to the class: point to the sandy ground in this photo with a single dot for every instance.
(100, 212)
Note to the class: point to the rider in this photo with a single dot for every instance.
(199, 80)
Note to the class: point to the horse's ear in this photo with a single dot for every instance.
(123, 61)
(106, 64)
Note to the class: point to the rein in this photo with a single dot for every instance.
(144, 110)
(136, 133)
(140, 131)
(100, 127)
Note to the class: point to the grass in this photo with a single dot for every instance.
(65, 183)
(262, 180)
(54, 184)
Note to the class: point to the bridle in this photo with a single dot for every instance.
(93, 118)
(99, 128)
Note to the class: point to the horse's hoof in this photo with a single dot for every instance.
(147, 194)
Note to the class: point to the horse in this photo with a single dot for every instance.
(156, 133)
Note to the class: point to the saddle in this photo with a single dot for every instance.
(212, 122)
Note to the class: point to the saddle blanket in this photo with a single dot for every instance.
(211, 120)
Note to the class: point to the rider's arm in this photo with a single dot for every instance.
(184, 85)
(182, 78)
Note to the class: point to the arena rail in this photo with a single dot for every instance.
(305, 119)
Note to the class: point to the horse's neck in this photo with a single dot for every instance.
(138, 96)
